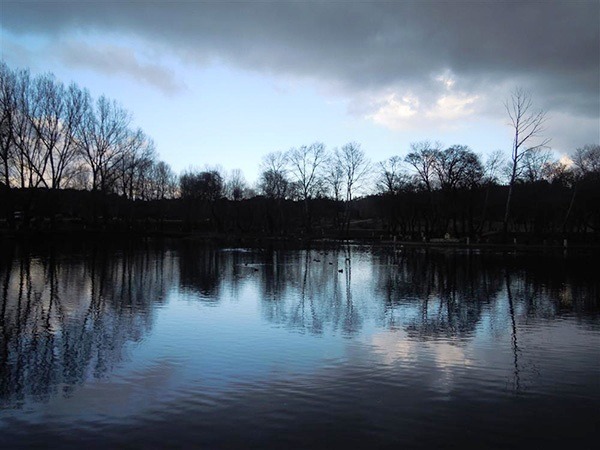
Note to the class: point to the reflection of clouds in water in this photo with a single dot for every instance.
(450, 358)
(446, 356)
(393, 347)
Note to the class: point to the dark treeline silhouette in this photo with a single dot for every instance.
(72, 163)
(55, 137)
(455, 194)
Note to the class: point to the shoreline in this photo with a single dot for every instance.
(522, 243)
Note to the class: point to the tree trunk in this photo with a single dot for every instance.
(571, 203)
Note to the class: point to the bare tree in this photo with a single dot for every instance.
(528, 126)
(493, 167)
(274, 184)
(101, 138)
(306, 164)
(206, 185)
(559, 172)
(422, 158)
(134, 167)
(457, 167)
(536, 164)
(29, 160)
(392, 176)
(355, 168)
(58, 114)
(55, 136)
(587, 159)
(334, 176)
(7, 117)
(273, 181)
(201, 191)
(142, 175)
(164, 181)
(236, 187)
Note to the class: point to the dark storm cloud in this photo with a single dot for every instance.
(552, 47)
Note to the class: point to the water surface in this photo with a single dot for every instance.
(174, 344)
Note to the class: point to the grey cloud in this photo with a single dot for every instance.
(111, 59)
(17, 54)
(551, 47)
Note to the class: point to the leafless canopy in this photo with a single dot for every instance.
(306, 164)
(528, 124)
(354, 165)
(273, 182)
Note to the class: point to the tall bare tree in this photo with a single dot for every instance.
(306, 164)
(29, 159)
(7, 116)
(134, 167)
(101, 139)
(334, 176)
(356, 168)
(58, 114)
(528, 125)
(423, 158)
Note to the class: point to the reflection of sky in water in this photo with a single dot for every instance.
(195, 347)
(298, 328)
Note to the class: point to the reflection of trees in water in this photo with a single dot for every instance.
(452, 289)
(201, 270)
(67, 317)
(431, 294)
(545, 288)
(434, 294)
(513, 326)
(309, 290)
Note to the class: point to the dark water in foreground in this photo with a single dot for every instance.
(176, 345)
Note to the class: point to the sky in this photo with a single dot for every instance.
(224, 83)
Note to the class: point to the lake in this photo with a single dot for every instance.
(155, 344)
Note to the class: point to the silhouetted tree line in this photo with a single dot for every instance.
(451, 191)
(54, 136)
(68, 161)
